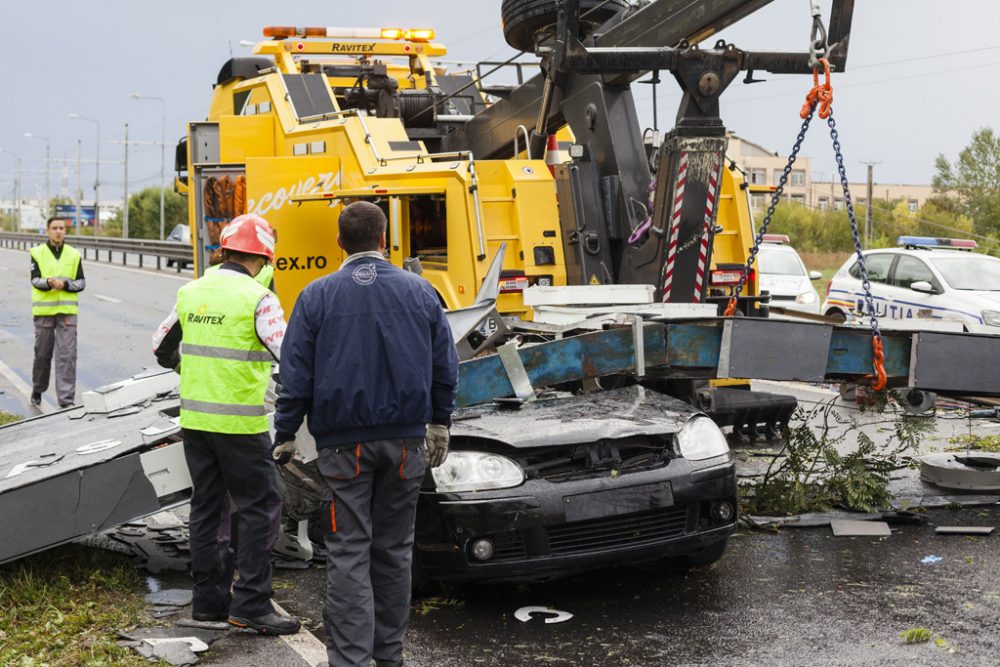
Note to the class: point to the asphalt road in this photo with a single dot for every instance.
(118, 312)
(795, 597)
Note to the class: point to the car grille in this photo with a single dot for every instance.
(597, 459)
(509, 546)
(617, 531)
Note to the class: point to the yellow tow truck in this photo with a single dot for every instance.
(319, 117)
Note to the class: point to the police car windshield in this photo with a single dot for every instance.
(774, 262)
(970, 272)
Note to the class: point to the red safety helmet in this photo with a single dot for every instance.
(249, 233)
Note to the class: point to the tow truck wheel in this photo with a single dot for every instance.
(524, 19)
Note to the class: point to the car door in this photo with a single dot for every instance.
(879, 265)
(904, 302)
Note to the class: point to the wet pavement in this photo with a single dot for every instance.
(795, 597)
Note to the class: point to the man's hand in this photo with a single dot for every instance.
(437, 444)
(56, 283)
(283, 450)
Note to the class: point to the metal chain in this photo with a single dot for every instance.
(775, 199)
(865, 283)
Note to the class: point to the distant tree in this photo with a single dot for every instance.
(144, 213)
(975, 180)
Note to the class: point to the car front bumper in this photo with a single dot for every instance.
(543, 530)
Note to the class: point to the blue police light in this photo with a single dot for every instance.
(932, 242)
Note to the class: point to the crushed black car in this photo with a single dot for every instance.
(565, 484)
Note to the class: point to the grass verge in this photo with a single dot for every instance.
(65, 607)
(9, 417)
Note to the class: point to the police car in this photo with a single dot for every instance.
(925, 277)
(785, 277)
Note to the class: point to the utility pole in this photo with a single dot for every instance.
(163, 153)
(869, 202)
(97, 172)
(17, 191)
(125, 206)
(79, 190)
(48, 202)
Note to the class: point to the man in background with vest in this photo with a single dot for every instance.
(222, 336)
(56, 280)
(370, 358)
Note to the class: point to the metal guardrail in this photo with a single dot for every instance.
(180, 254)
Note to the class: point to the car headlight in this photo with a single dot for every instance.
(476, 471)
(806, 297)
(992, 317)
(701, 439)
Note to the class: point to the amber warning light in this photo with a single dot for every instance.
(410, 34)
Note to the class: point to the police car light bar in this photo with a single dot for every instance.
(932, 242)
(776, 238)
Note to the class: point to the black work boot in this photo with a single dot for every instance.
(209, 617)
(36, 398)
(272, 623)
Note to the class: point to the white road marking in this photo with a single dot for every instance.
(22, 386)
(146, 272)
(109, 299)
(304, 643)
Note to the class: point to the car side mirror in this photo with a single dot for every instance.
(815, 275)
(923, 286)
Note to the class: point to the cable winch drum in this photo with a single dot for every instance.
(417, 108)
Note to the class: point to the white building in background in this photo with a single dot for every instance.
(764, 167)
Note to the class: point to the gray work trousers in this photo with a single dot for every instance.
(371, 489)
(55, 334)
(240, 467)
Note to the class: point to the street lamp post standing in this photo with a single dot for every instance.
(97, 173)
(163, 153)
(17, 188)
(48, 202)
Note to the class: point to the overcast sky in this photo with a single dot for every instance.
(921, 77)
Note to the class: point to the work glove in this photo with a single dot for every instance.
(283, 451)
(437, 444)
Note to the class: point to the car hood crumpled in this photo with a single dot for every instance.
(613, 414)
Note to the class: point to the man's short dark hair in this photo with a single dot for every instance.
(237, 256)
(48, 223)
(362, 225)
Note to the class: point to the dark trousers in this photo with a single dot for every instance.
(55, 334)
(240, 467)
(371, 490)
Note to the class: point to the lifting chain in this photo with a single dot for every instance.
(818, 47)
(820, 97)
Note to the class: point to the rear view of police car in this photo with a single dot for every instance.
(925, 277)
(784, 276)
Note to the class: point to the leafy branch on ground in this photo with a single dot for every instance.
(985, 443)
(812, 474)
(65, 607)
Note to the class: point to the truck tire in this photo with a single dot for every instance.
(523, 19)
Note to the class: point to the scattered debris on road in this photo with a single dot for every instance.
(524, 614)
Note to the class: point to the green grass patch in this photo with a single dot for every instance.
(65, 607)
(985, 443)
(9, 417)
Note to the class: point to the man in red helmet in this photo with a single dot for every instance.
(221, 337)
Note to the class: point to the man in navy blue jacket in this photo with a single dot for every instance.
(369, 357)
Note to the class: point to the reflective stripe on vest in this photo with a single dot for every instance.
(225, 369)
(55, 301)
(225, 353)
(223, 408)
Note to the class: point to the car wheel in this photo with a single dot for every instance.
(702, 557)
(836, 315)
(524, 19)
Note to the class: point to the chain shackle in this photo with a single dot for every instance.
(818, 46)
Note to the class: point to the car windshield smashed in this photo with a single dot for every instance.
(778, 263)
(970, 272)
